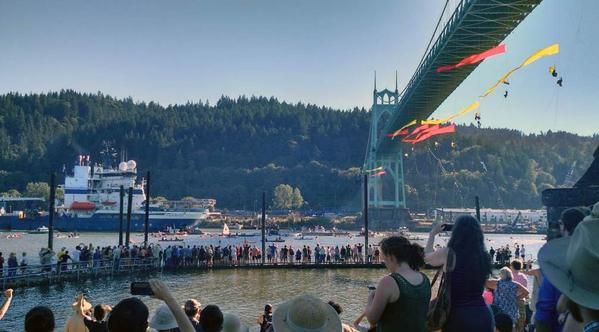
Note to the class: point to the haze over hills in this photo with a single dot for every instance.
(237, 148)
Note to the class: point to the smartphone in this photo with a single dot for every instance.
(371, 287)
(447, 227)
(141, 288)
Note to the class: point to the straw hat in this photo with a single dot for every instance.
(572, 263)
(163, 319)
(306, 313)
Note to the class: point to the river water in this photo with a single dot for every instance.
(242, 291)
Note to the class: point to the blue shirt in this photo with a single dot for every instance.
(546, 312)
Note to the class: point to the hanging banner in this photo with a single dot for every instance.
(475, 58)
(430, 133)
(468, 109)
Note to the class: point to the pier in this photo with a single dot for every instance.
(36, 275)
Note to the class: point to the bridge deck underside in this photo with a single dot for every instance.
(475, 26)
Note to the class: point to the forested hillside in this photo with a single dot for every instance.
(236, 148)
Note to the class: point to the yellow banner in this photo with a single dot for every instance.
(547, 51)
(411, 123)
(470, 108)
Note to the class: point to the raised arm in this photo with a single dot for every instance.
(6, 303)
(161, 292)
(431, 238)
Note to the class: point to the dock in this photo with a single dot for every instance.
(36, 275)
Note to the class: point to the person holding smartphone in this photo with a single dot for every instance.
(131, 314)
(472, 267)
(401, 299)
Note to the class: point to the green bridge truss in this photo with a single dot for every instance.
(474, 26)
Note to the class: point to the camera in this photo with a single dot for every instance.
(447, 227)
(141, 288)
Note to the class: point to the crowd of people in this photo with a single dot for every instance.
(503, 255)
(565, 296)
(173, 256)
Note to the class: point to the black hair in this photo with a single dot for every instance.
(503, 322)
(468, 243)
(516, 265)
(336, 306)
(403, 251)
(571, 217)
(129, 315)
(211, 319)
(99, 312)
(39, 319)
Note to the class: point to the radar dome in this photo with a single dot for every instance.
(122, 166)
(131, 164)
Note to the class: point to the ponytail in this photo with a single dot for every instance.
(403, 251)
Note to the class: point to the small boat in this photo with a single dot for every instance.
(304, 238)
(279, 239)
(40, 230)
(164, 239)
(196, 230)
(83, 206)
(13, 236)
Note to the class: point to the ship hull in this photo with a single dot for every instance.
(95, 223)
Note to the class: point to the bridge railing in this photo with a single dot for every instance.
(23, 275)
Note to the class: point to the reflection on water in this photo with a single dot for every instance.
(242, 291)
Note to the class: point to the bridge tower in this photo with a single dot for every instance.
(386, 193)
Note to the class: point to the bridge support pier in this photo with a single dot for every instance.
(386, 193)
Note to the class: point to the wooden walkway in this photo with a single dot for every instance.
(35, 275)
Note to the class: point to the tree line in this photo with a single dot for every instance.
(239, 147)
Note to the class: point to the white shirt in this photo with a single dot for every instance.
(75, 255)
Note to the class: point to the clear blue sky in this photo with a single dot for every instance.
(314, 51)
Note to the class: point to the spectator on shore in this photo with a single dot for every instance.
(503, 323)
(39, 319)
(472, 267)
(265, 320)
(507, 293)
(131, 314)
(401, 299)
(24, 262)
(98, 322)
(521, 278)
(76, 323)
(12, 264)
(6, 303)
(546, 316)
(211, 319)
(163, 320)
(192, 309)
(306, 313)
(571, 264)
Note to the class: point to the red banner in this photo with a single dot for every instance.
(472, 59)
